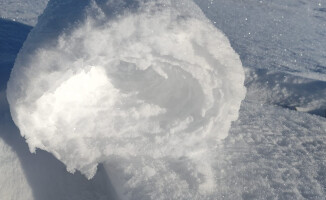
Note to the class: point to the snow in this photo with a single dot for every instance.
(281, 45)
(26, 176)
(156, 87)
(272, 151)
(13, 183)
(12, 179)
(275, 35)
(25, 11)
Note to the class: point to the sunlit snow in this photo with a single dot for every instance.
(147, 92)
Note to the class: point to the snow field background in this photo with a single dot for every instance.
(25, 11)
(281, 45)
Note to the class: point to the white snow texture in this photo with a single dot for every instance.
(25, 11)
(148, 88)
(12, 178)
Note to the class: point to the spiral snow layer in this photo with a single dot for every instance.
(146, 87)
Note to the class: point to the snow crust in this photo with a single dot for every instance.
(148, 88)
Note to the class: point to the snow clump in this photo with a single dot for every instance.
(148, 88)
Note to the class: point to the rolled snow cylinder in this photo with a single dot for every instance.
(148, 88)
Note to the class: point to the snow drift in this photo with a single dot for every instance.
(146, 87)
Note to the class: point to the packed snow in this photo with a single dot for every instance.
(26, 176)
(148, 91)
(274, 150)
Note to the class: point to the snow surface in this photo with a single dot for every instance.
(271, 152)
(25, 11)
(13, 183)
(12, 178)
(282, 45)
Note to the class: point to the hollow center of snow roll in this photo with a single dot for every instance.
(148, 88)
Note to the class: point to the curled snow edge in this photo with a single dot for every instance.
(148, 88)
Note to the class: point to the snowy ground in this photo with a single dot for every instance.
(272, 151)
(282, 45)
(25, 11)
